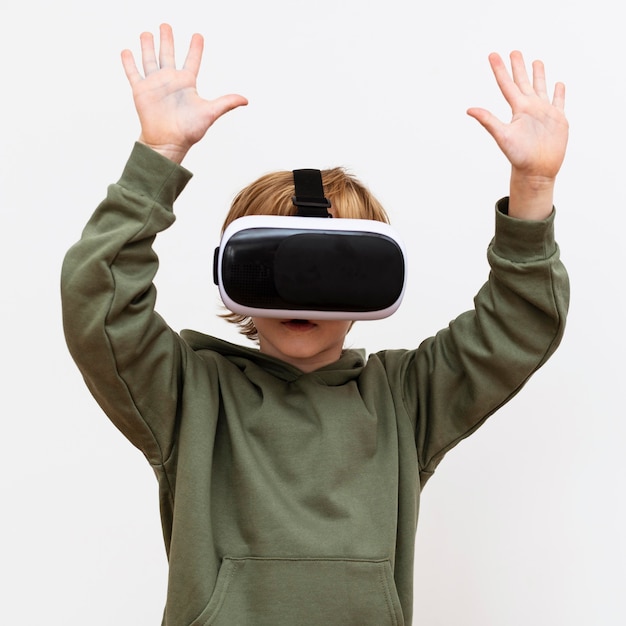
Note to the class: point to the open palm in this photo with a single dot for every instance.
(172, 114)
(535, 139)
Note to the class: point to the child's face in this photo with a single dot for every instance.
(306, 344)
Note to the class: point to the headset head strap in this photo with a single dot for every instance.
(309, 194)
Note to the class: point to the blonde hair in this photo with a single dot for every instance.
(272, 195)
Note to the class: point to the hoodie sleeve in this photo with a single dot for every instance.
(131, 361)
(458, 378)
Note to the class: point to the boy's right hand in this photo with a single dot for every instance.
(173, 116)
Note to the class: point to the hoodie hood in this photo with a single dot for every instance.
(348, 367)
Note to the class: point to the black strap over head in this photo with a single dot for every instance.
(309, 196)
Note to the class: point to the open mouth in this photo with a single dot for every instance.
(297, 324)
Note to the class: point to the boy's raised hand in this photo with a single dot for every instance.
(535, 139)
(173, 116)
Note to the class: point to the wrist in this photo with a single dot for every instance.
(531, 197)
(172, 152)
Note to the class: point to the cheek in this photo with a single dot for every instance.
(338, 329)
(346, 326)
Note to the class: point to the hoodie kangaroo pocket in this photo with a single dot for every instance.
(306, 592)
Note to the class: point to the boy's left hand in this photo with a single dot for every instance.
(535, 140)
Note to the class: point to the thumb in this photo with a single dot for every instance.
(227, 103)
(486, 119)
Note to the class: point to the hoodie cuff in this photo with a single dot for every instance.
(523, 241)
(150, 174)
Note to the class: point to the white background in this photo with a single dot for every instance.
(524, 522)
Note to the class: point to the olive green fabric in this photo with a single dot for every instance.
(290, 497)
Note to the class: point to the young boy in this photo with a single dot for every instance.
(289, 476)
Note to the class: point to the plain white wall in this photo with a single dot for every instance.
(524, 522)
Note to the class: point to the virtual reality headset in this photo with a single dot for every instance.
(309, 266)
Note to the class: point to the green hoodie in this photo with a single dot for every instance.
(291, 498)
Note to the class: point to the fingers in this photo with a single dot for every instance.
(166, 57)
(194, 56)
(130, 67)
(148, 56)
(520, 76)
(166, 47)
(166, 50)
(558, 100)
(539, 80)
(518, 83)
(507, 86)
